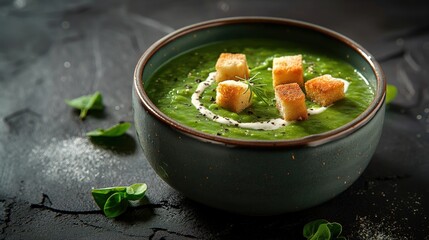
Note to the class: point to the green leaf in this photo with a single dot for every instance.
(115, 200)
(86, 103)
(391, 92)
(114, 131)
(311, 228)
(102, 194)
(115, 205)
(335, 229)
(323, 230)
(136, 191)
(322, 233)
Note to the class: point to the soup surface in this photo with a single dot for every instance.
(182, 89)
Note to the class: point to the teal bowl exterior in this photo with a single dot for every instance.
(257, 177)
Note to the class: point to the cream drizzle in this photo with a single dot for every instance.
(271, 124)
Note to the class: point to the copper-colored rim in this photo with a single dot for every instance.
(312, 140)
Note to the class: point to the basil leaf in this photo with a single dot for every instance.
(114, 131)
(102, 194)
(136, 191)
(322, 233)
(85, 103)
(115, 200)
(335, 229)
(391, 92)
(323, 230)
(311, 228)
(115, 205)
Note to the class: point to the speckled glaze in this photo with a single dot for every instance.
(257, 177)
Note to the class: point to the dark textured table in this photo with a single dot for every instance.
(52, 50)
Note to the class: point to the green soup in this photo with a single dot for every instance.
(173, 84)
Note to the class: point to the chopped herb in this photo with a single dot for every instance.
(87, 102)
(115, 200)
(391, 92)
(323, 230)
(114, 131)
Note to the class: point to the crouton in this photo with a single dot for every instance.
(290, 100)
(233, 95)
(288, 70)
(324, 90)
(231, 66)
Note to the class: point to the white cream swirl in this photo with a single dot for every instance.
(271, 124)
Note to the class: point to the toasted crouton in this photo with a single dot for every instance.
(290, 100)
(231, 66)
(233, 95)
(324, 90)
(288, 70)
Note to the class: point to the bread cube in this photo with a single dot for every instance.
(324, 90)
(288, 69)
(230, 66)
(290, 101)
(233, 95)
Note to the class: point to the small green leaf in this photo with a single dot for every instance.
(87, 102)
(323, 230)
(114, 131)
(102, 194)
(136, 191)
(115, 205)
(391, 92)
(311, 228)
(322, 233)
(115, 200)
(335, 229)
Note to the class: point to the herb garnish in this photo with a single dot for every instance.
(391, 92)
(321, 229)
(87, 102)
(255, 88)
(114, 131)
(114, 201)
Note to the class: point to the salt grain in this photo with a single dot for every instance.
(369, 230)
(74, 158)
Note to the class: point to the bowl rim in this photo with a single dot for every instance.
(311, 140)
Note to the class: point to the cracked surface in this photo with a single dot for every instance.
(52, 51)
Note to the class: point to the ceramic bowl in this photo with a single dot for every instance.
(257, 177)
